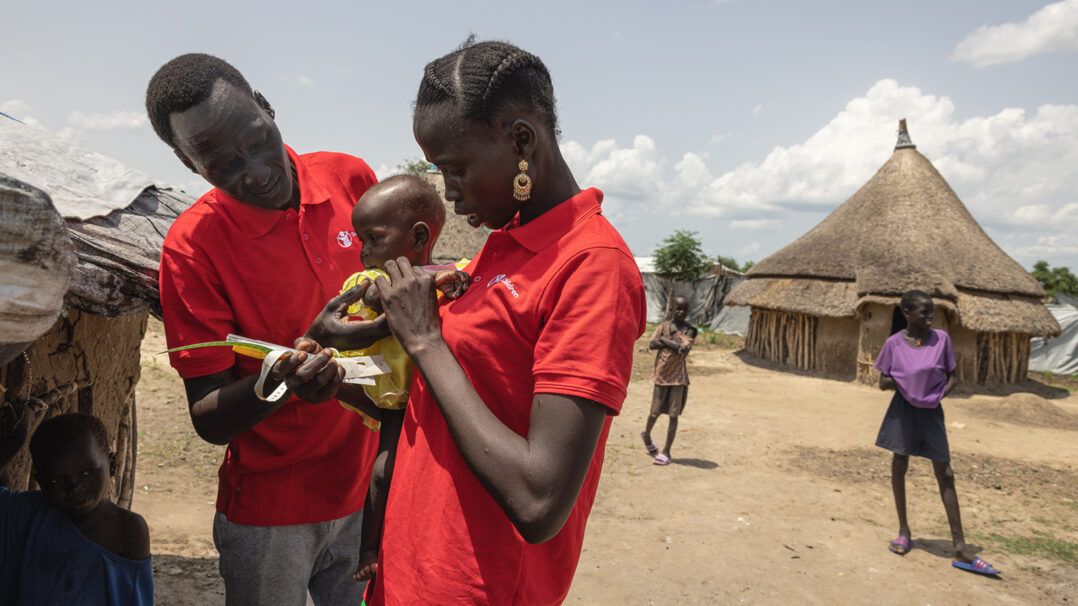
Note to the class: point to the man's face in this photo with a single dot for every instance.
(232, 141)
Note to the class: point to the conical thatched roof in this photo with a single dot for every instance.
(458, 240)
(903, 229)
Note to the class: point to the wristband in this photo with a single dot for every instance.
(267, 363)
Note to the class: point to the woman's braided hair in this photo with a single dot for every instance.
(479, 79)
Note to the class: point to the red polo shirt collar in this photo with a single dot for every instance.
(256, 222)
(540, 232)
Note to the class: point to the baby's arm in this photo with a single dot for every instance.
(374, 513)
(452, 283)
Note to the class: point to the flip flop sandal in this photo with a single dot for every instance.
(653, 449)
(661, 459)
(978, 566)
(901, 545)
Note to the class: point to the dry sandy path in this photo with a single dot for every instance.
(776, 495)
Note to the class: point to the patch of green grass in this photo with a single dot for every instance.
(1040, 545)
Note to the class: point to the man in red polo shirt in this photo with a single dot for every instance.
(258, 256)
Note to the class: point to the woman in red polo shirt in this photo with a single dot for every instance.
(503, 442)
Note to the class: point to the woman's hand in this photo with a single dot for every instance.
(410, 305)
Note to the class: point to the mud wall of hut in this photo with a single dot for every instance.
(84, 363)
(875, 328)
(836, 347)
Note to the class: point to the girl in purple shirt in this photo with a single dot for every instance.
(918, 363)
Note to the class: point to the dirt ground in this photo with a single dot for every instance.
(776, 495)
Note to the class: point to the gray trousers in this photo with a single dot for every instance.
(277, 565)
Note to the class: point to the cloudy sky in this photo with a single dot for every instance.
(744, 120)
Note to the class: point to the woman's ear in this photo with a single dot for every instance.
(420, 236)
(525, 138)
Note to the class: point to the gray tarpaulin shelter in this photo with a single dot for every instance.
(1058, 355)
(80, 245)
(705, 296)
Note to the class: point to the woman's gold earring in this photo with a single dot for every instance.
(522, 183)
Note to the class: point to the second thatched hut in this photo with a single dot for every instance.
(829, 300)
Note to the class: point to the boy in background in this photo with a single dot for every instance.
(673, 340)
(68, 543)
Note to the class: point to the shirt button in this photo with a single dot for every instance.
(306, 236)
(318, 260)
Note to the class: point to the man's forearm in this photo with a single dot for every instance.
(229, 410)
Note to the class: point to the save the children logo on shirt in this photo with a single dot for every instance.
(345, 238)
(500, 278)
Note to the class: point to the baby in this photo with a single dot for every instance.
(68, 543)
(399, 217)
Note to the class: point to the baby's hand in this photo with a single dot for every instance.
(368, 566)
(453, 284)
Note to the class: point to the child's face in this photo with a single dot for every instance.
(921, 315)
(681, 309)
(384, 232)
(77, 481)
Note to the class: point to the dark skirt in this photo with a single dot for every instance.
(910, 430)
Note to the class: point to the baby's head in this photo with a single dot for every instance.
(72, 463)
(399, 217)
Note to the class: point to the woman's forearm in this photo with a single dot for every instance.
(534, 479)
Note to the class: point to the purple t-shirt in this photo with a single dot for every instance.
(920, 372)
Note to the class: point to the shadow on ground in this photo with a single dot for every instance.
(698, 463)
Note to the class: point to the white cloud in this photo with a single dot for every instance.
(384, 171)
(20, 110)
(296, 79)
(1053, 28)
(117, 120)
(1014, 169)
(633, 174)
(749, 249)
(756, 224)
(757, 109)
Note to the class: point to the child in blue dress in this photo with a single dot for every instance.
(68, 543)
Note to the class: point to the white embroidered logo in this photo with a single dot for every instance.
(505, 282)
(344, 238)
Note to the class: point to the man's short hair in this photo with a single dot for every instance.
(183, 83)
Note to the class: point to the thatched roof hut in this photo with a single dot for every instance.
(829, 300)
(458, 239)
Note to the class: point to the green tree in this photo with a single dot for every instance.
(681, 257)
(1055, 279)
(732, 263)
(729, 262)
(415, 166)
